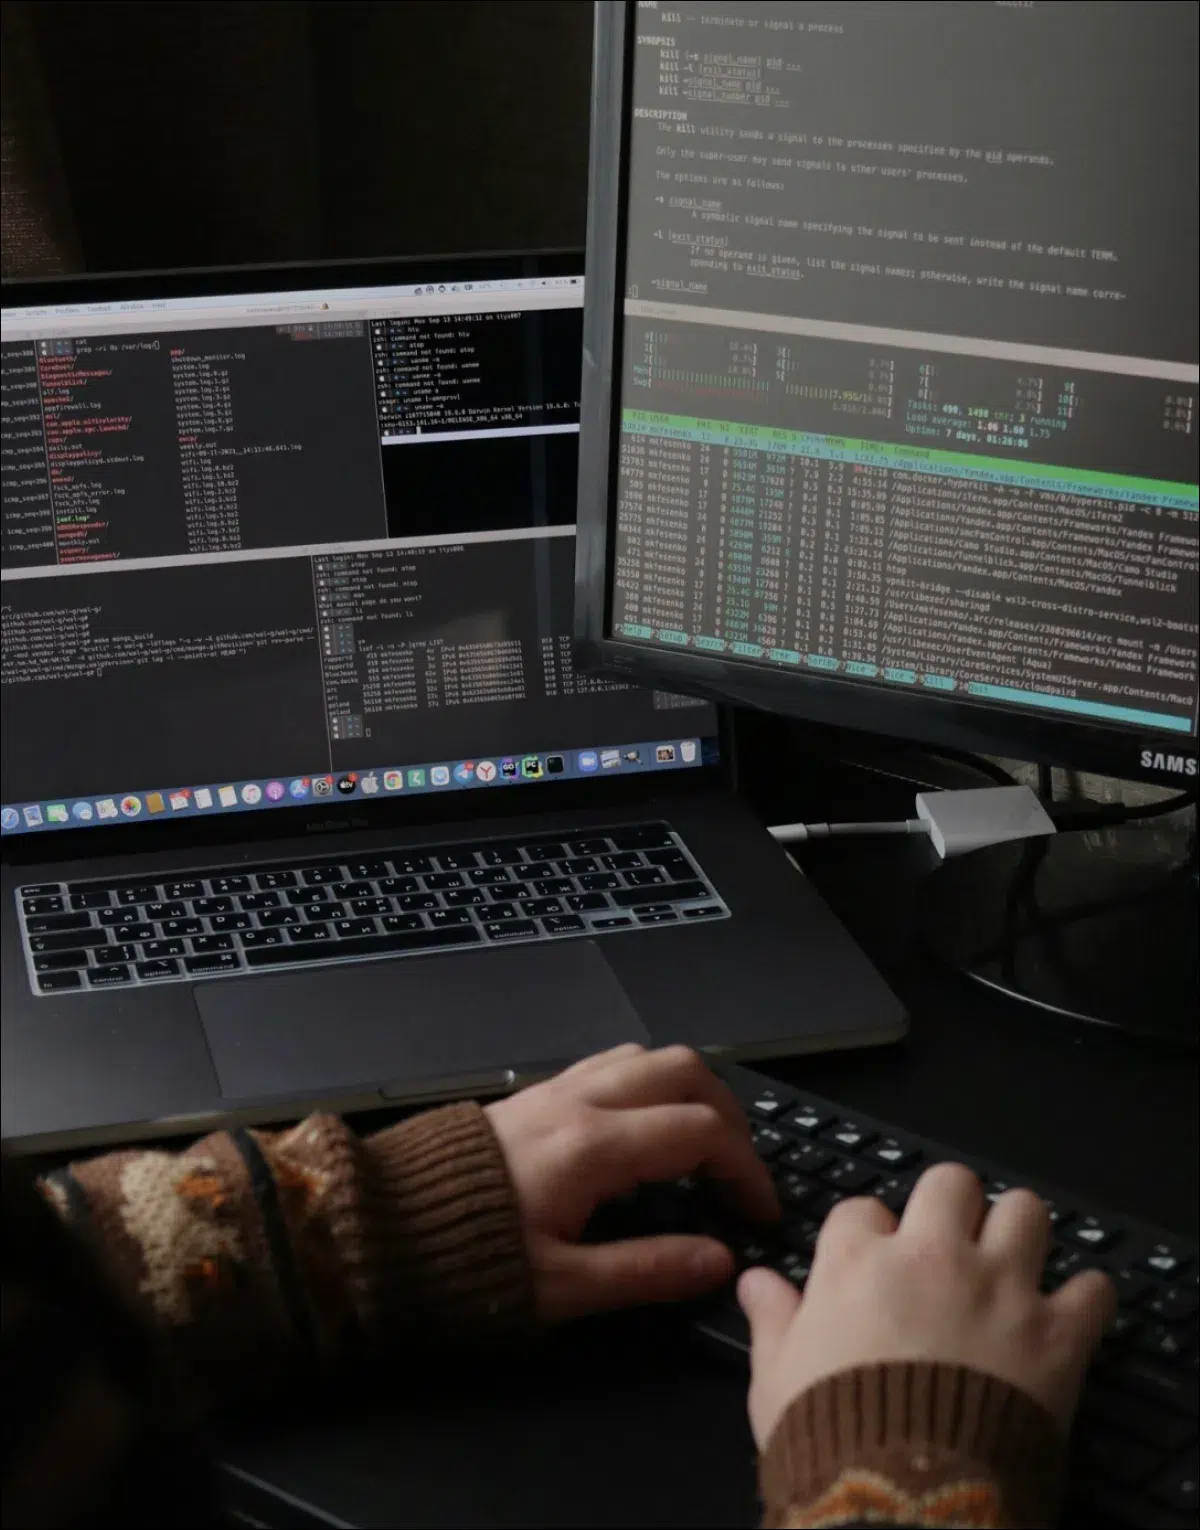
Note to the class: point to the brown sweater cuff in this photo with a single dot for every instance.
(441, 1235)
(913, 1443)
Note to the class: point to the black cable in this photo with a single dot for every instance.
(1098, 815)
(976, 762)
(1045, 776)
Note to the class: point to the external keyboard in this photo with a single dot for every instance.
(220, 921)
(1135, 1439)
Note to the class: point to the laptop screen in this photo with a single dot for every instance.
(262, 547)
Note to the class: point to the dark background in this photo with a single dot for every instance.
(210, 132)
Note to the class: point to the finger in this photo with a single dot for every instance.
(1085, 1306)
(633, 1271)
(947, 1203)
(664, 1142)
(669, 1076)
(769, 1303)
(1016, 1234)
(852, 1223)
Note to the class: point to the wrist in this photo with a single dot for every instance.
(913, 1442)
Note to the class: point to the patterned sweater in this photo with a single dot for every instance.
(188, 1280)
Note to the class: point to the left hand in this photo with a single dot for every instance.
(600, 1129)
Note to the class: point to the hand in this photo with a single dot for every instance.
(954, 1281)
(598, 1130)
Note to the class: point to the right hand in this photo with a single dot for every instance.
(954, 1281)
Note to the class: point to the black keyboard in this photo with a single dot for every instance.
(1135, 1439)
(223, 921)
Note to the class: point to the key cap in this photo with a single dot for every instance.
(396, 924)
(501, 855)
(593, 846)
(183, 889)
(849, 1136)
(310, 933)
(371, 906)
(532, 869)
(344, 928)
(369, 945)
(464, 897)
(253, 901)
(304, 897)
(1133, 1288)
(55, 982)
(119, 954)
(393, 885)
(444, 918)
(158, 911)
(352, 890)
(1173, 1304)
(140, 892)
(99, 899)
(535, 907)
(318, 876)
(367, 871)
(545, 850)
(69, 940)
(707, 912)
(440, 880)
(316, 913)
(582, 903)
(576, 865)
(55, 961)
(1162, 1342)
(490, 876)
(221, 961)
(266, 880)
(223, 922)
(600, 881)
(1092, 1234)
(215, 905)
(853, 1178)
(808, 1157)
(656, 916)
(502, 911)
(795, 1192)
(510, 929)
(271, 917)
(617, 922)
(44, 889)
(563, 924)
(768, 1143)
(108, 976)
(262, 938)
(414, 902)
(642, 836)
(456, 860)
(169, 927)
(768, 1103)
(411, 865)
(157, 969)
(204, 945)
(235, 884)
(49, 923)
(1164, 1260)
(651, 877)
(51, 904)
(162, 948)
(893, 1154)
(622, 860)
(551, 887)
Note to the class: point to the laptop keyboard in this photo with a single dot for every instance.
(222, 921)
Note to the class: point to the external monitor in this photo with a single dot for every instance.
(890, 388)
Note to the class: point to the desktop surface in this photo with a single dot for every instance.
(626, 1421)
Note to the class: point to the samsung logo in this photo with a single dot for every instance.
(331, 825)
(1177, 764)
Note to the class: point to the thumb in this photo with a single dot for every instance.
(632, 1271)
(770, 1303)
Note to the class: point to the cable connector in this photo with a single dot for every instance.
(960, 821)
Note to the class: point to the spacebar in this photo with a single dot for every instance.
(364, 945)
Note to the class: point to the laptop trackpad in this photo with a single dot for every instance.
(413, 1021)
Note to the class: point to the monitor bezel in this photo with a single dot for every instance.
(959, 722)
(400, 812)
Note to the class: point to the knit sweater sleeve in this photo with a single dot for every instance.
(253, 1252)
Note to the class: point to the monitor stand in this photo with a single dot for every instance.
(1096, 926)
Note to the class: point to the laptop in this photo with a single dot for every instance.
(304, 800)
